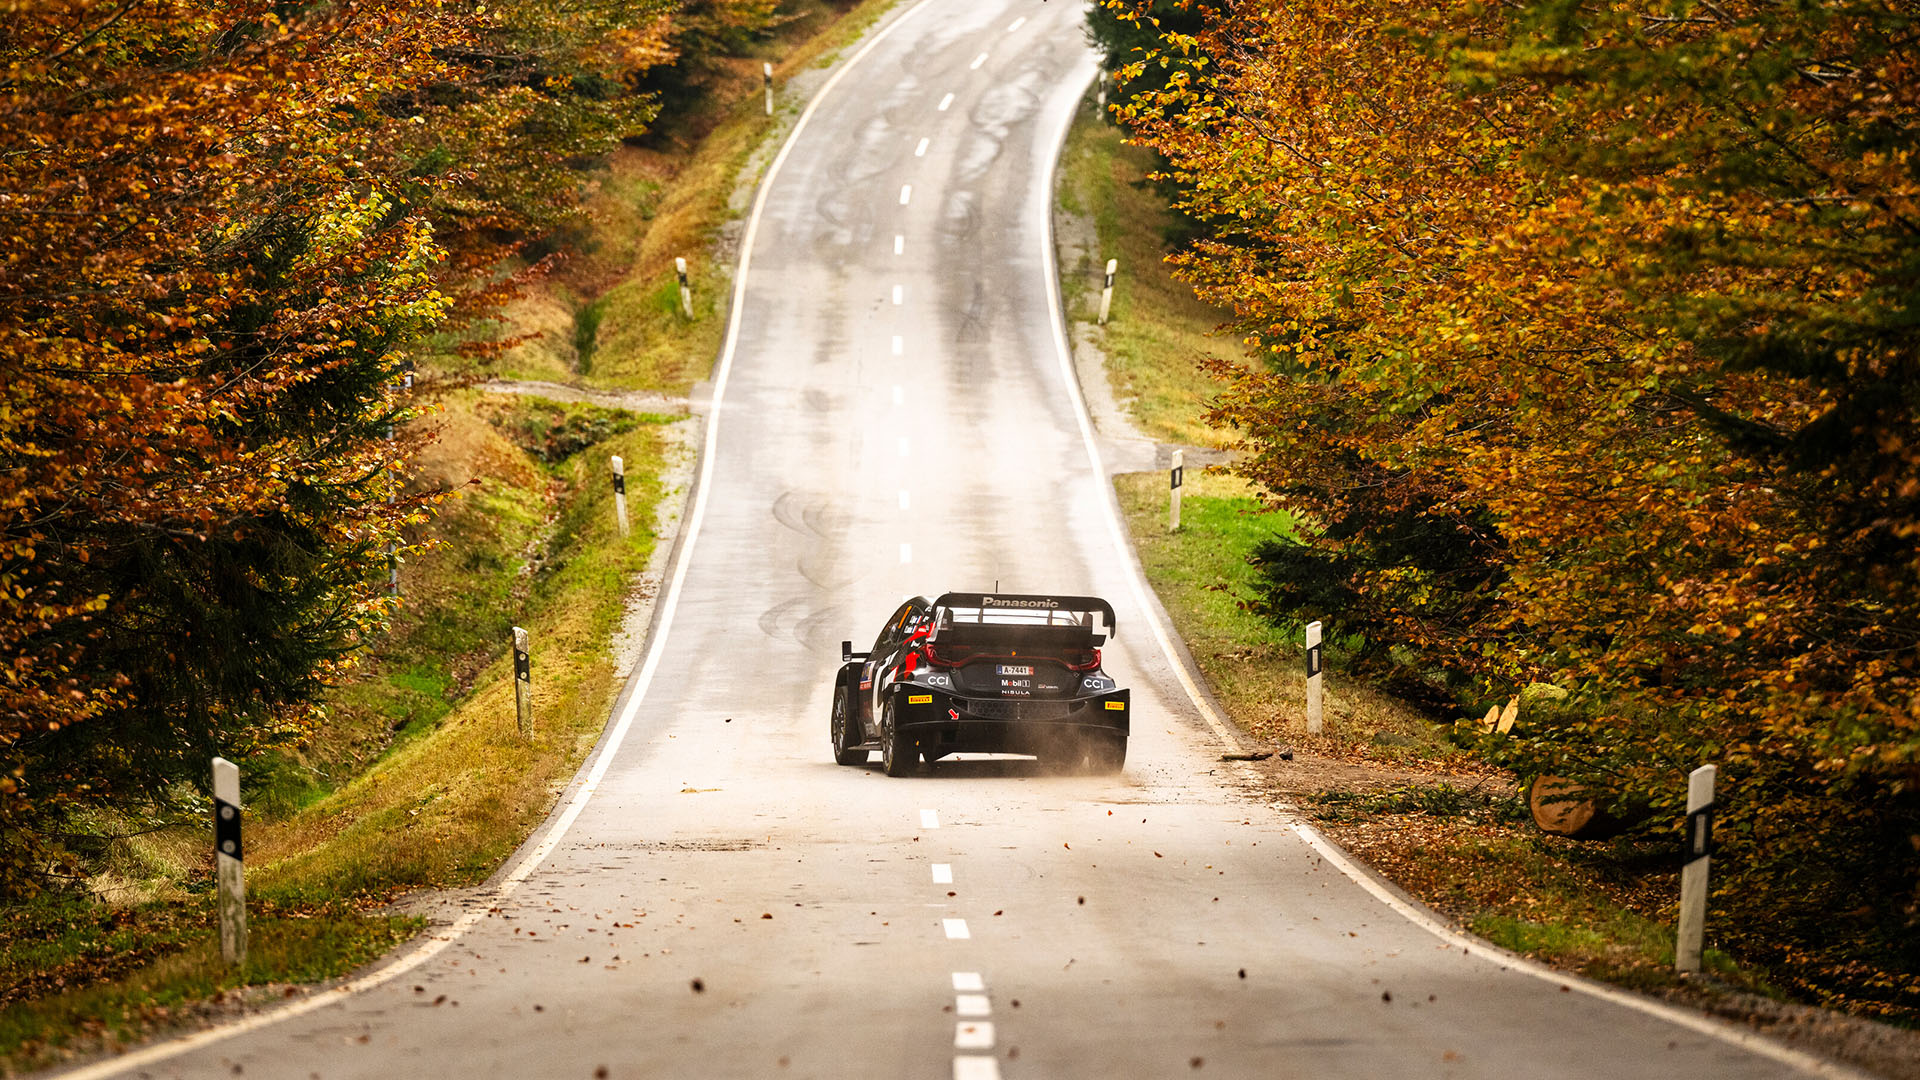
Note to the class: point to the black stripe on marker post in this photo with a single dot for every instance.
(226, 830)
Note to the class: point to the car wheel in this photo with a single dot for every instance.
(846, 741)
(1107, 756)
(897, 755)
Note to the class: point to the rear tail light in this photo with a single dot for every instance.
(1084, 661)
(947, 655)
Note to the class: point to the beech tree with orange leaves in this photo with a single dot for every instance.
(1585, 333)
(224, 227)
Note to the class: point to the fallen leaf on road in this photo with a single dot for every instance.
(697, 790)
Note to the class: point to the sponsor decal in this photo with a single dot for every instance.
(1117, 706)
(994, 601)
(953, 714)
(919, 699)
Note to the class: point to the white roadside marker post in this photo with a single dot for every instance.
(1315, 719)
(766, 71)
(1106, 294)
(227, 855)
(1177, 476)
(522, 683)
(686, 293)
(1693, 875)
(1101, 112)
(620, 493)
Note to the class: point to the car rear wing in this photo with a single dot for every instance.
(980, 605)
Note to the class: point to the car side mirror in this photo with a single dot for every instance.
(846, 651)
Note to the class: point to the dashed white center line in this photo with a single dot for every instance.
(977, 61)
(906, 192)
(899, 396)
(906, 553)
(903, 446)
(899, 345)
(942, 872)
(976, 1035)
(974, 1067)
(968, 981)
(903, 499)
(946, 101)
(899, 293)
(956, 931)
(899, 243)
(929, 819)
(1016, 24)
(921, 150)
(972, 1006)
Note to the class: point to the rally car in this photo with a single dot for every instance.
(983, 673)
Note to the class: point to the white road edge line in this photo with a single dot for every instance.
(1748, 1041)
(943, 875)
(439, 942)
(956, 929)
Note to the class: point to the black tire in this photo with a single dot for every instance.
(897, 756)
(1093, 755)
(846, 740)
(1107, 756)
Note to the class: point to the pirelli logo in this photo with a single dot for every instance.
(1116, 706)
(919, 699)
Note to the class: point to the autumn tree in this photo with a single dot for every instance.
(213, 271)
(1586, 337)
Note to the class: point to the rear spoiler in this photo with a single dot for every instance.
(1030, 602)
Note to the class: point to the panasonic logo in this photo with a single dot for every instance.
(992, 601)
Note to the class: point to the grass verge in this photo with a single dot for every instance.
(1384, 780)
(1157, 331)
(418, 776)
(612, 318)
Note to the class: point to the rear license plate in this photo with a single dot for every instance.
(1016, 669)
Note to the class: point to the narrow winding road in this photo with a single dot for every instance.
(716, 898)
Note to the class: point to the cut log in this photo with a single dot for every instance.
(1564, 808)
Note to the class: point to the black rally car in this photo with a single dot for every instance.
(985, 673)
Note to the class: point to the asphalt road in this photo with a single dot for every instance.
(729, 903)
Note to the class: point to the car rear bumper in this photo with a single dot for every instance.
(952, 723)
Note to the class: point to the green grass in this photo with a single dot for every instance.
(1158, 331)
(643, 340)
(1202, 576)
(417, 778)
(149, 967)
